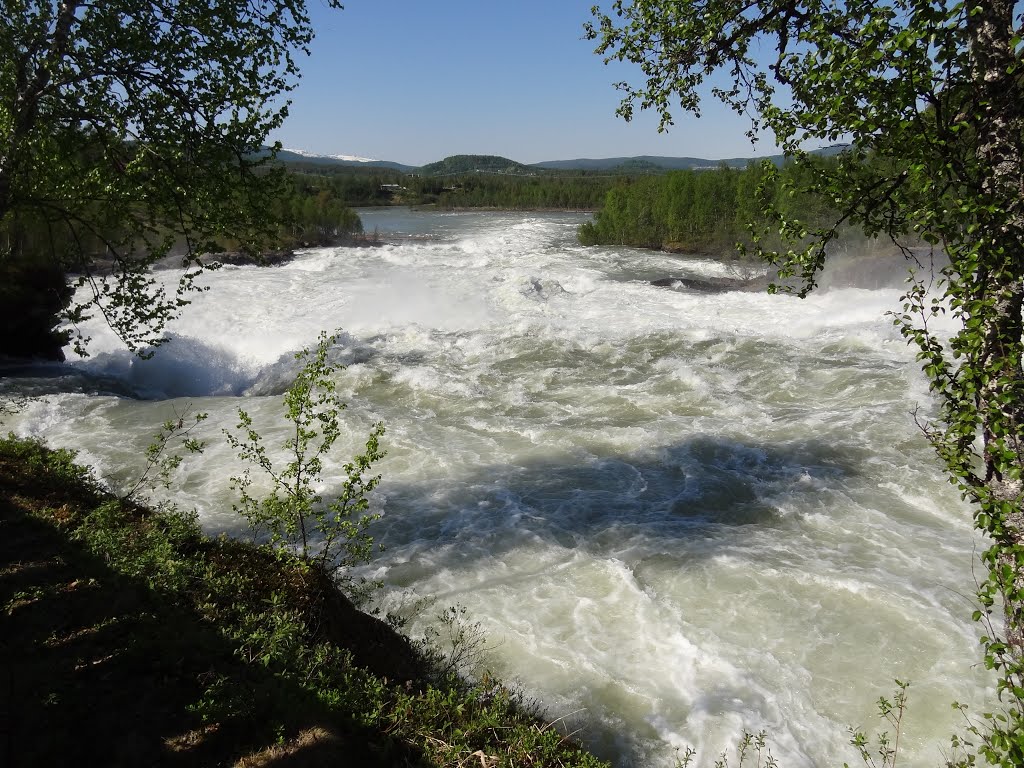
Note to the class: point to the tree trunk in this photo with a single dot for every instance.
(1001, 408)
(999, 119)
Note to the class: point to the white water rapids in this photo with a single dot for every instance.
(676, 515)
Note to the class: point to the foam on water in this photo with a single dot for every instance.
(676, 515)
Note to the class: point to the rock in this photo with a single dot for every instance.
(709, 284)
(32, 298)
(243, 258)
(542, 288)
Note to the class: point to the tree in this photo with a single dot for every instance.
(930, 95)
(133, 129)
(295, 512)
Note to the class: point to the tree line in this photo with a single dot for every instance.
(524, 193)
(315, 212)
(535, 190)
(706, 211)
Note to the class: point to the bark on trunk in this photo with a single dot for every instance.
(1002, 411)
(1000, 400)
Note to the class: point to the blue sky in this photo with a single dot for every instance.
(415, 81)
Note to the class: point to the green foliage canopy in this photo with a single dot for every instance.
(132, 129)
(931, 96)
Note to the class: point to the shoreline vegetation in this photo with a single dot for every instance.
(715, 212)
(132, 638)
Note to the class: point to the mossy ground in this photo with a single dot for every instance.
(129, 638)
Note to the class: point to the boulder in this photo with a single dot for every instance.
(244, 258)
(710, 284)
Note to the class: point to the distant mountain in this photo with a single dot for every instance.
(640, 162)
(343, 158)
(655, 163)
(301, 157)
(459, 164)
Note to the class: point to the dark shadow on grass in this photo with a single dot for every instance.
(98, 669)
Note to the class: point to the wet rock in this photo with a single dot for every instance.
(243, 258)
(710, 284)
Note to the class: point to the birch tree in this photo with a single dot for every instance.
(930, 96)
(131, 129)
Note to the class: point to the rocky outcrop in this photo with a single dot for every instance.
(244, 258)
(711, 284)
(32, 298)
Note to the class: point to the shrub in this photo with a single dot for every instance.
(294, 514)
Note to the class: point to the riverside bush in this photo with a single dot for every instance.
(294, 511)
(163, 456)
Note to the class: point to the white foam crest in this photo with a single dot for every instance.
(57, 419)
(183, 367)
(434, 381)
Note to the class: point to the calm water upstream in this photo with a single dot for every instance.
(676, 515)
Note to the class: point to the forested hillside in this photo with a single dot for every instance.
(462, 181)
(459, 164)
(544, 192)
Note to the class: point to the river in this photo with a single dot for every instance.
(675, 515)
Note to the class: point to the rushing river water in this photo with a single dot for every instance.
(676, 515)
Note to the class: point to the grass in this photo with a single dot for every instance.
(129, 638)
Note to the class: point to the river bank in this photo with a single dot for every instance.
(132, 639)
